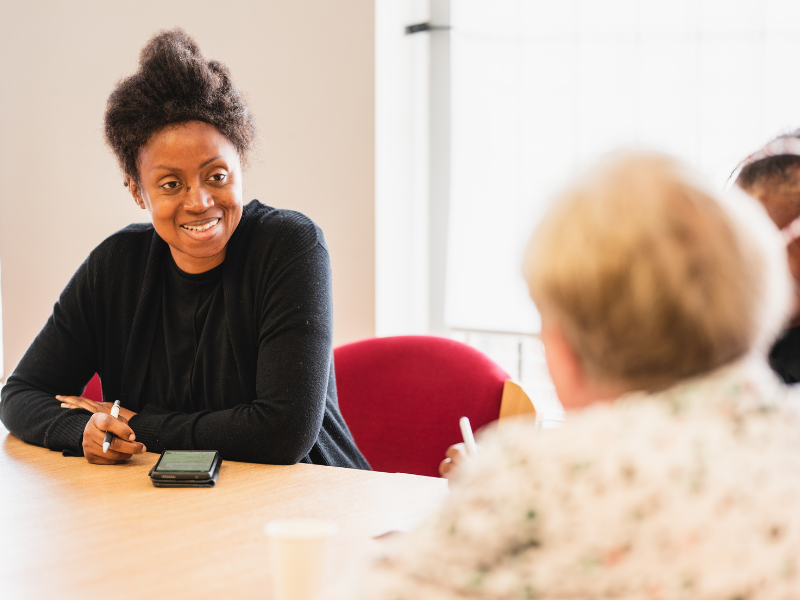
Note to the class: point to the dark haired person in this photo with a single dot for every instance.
(213, 325)
(772, 175)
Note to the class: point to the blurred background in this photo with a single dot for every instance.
(424, 136)
(517, 95)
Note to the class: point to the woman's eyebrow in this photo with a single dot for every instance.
(168, 168)
(210, 160)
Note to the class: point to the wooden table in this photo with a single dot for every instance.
(74, 530)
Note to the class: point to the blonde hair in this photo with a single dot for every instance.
(651, 278)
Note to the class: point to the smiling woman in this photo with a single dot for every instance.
(191, 185)
(213, 324)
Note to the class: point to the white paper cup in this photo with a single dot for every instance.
(298, 549)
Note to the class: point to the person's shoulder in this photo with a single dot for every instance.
(134, 236)
(288, 231)
(127, 243)
(521, 446)
(268, 221)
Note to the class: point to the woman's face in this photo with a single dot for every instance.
(781, 200)
(191, 184)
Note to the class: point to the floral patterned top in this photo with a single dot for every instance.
(691, 493)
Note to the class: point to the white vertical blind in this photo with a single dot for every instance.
(540, 89)
(402, 98)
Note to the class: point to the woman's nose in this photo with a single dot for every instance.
(198, 199)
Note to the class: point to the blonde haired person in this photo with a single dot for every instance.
(677, 473)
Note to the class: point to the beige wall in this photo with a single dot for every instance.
(307, 68)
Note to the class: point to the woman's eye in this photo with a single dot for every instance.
(170, 185)
(219, 177)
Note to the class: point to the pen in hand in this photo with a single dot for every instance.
(469, 439)
(109, 435)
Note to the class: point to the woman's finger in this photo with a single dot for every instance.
(126, 414)
(456, 455)
(456, 452)
(101, 460)
(80, 402)
(105, 422)
(129, 448)
(111, 455)
(93, 450)
(101, 423)
(445, 467)
(70, 399)
(117, 444)
(65, 405)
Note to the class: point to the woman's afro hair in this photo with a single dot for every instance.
(174, 84)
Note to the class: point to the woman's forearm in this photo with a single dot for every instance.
(36, 417)
(257, 432)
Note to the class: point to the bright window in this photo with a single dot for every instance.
(540, 89)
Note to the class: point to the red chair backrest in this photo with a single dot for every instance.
(93, 389)
(402, 398)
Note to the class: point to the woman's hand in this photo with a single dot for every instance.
(92, 406)
(122, 445)
(456, 455)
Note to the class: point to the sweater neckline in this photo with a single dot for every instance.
(206, 276)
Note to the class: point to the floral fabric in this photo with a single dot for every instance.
(691, 493)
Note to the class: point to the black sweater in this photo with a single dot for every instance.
(276, 366)
(784, 358)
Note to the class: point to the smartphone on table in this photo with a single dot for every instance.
(186, 468)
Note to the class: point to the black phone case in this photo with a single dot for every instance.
(186, 479)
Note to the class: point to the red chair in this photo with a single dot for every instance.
(93, 389)
(402, 398)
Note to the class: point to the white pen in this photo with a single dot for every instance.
(469, 439)
(109, 435)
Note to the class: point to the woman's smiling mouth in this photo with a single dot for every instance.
(201, 226)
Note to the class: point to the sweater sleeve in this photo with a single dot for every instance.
(294, 346)
(61, 360)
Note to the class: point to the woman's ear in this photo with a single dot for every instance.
(136, 191)
(565, 367)
(574, 386)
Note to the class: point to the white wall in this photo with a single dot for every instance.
(307, 68)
